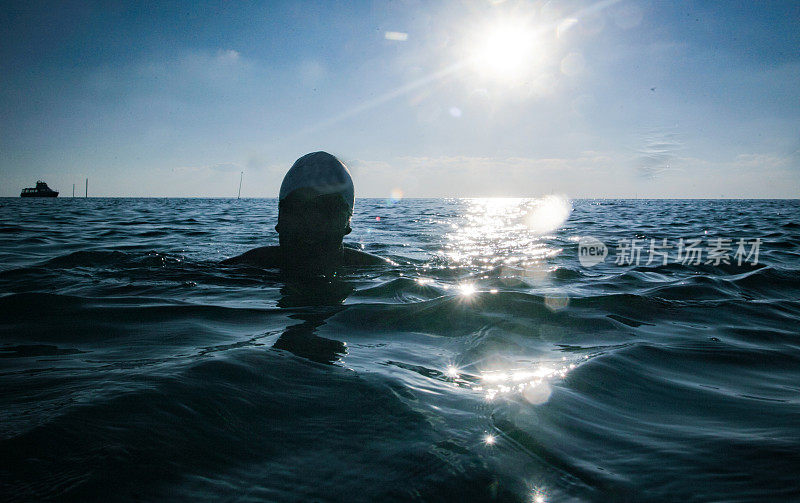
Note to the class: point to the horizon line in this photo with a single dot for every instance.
(439, 197)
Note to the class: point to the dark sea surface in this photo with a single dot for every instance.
(488, 363)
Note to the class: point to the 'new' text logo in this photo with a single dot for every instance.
(591, 251)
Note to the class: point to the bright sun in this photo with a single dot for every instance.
(506, 50)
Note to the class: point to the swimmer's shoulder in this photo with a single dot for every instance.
(270, 257)
(358, 257)
(265, 256)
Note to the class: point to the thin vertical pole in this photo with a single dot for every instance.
(87, 188)
(240, 185)
(73, 190)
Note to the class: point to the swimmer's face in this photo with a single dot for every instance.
(313, 221)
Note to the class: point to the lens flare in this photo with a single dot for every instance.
(556, 303)
(396, 194)
(537, 393)
(549, 214)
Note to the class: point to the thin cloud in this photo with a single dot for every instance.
(468, 176)
(658, 153)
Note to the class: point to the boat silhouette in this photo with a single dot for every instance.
(41, 190)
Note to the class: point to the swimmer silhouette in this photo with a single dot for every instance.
(314, 211)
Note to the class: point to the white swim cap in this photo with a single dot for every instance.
(321, 172)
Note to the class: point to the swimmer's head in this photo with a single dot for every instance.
(315, 204)
(319, 173)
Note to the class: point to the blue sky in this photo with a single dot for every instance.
(428, 99)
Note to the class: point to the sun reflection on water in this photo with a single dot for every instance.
(466, 289)
(452, 372)
(532, 383)
(510, 234)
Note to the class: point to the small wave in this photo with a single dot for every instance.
(98, 258)
(35, 350)
(70, 319)
(10, 229)
(400, 290)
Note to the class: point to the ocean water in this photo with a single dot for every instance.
(489, 363)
